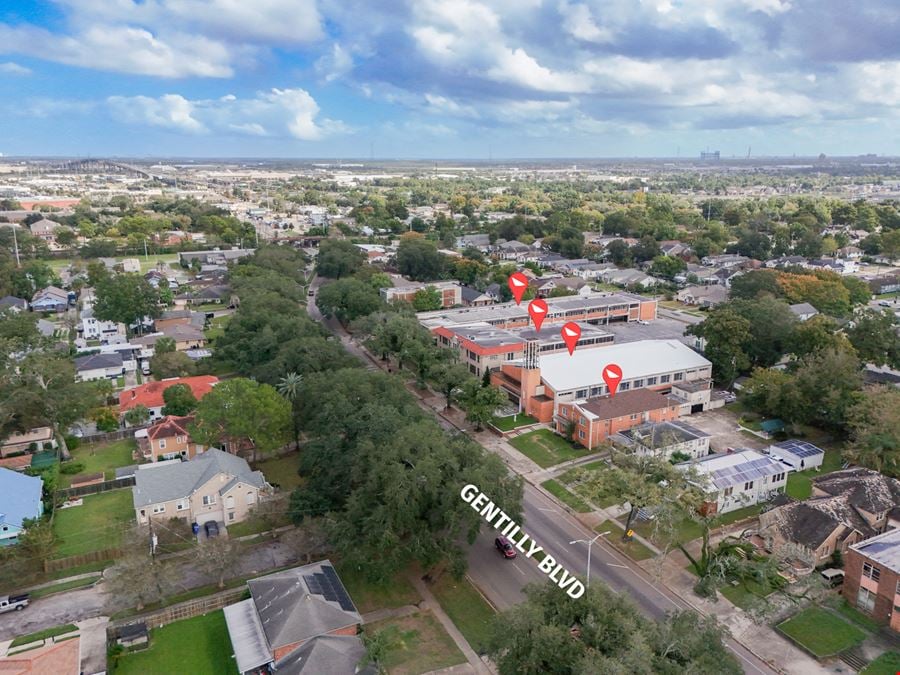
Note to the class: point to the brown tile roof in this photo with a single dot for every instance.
(60, 658)
(150, 394)
(628, 403)
(170, 425)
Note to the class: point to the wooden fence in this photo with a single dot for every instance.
(94, 488)
(182, 610)
(82, 559)
(105, 437)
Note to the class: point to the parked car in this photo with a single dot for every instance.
(9, 603)
(505, 547)
(212, 528)
(834, 577)
(884, 303)
(311, 293)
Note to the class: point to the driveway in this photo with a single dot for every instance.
(722, 425)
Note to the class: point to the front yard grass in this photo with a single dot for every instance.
(821, 632)
(862, 620)
(105, 457)
(886, 664)
(685, 530)
(43, 634)
(633, 549)
(562, 493)
(799, 483)
(545, 448)
(470, 612)
(513, 421)
(369, 595)
(737, 514)
(283, 471)
(745, 593)
(197, 645)
(416, 644)
(95, 525)
(65, 586)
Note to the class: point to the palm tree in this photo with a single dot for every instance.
(289, 387)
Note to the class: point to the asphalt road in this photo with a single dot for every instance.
(502, 581)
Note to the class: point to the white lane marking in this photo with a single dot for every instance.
(624, 567)
(746, 660)
(520, 569)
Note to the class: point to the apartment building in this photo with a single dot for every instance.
(872, 578)
(591, 423)
(405, 291)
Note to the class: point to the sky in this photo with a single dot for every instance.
(475, 79)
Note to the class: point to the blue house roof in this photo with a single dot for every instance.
(20, 497)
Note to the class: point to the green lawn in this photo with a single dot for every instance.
(216, 327)
(799, 484)
(147, 263)
(821, 632)
(560, 491)
(97, 524)
(255, 526)
(886, 664)
(59, 588)
(545, 448)
(861, 619)
(570, 478)
(633, 549)
(44, 634)
(200, 645)
(685, 530)
(745, 593)
(369, 596)
(417, 644)
(737, 514)
(471, 614)
(105, 457)
(513, 421)
(282, 470)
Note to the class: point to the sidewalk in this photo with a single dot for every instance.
(430, 603)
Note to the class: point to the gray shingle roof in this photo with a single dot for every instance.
(96, 361)
(324, 655)
(292, 607)
(155, 484)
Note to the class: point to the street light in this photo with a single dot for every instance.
(590, 544)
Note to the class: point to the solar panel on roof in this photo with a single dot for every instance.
(800, 448)
(341, 594)
(312, 583)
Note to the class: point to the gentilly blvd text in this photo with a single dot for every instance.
(495, 516)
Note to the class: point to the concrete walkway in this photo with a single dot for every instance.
(430, 603)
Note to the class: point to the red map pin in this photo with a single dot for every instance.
(537, 308)
(570, 334)
(518, 284)
(612, 375)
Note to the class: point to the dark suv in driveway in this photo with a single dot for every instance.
(212, 529)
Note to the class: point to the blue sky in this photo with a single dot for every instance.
(449, 78)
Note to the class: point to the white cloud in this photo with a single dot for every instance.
(278, 112)
(878, 82)
(579, 22)
(335, 64)
(10, 68)
(170, 111)
(123, 49)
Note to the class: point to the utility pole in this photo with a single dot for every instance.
(590, 544)
(16, 243)
(146, 256)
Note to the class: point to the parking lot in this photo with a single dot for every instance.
(722, 425)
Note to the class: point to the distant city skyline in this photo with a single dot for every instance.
(454, 79)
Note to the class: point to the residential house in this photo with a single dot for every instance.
(94, 329)
(185, 337)
(844, 508)
(37, 439)
(13, 304)
(130, 265)
(628, 277)
(150, 394)
(889, 283)
(703, 296)
(167, 439)
(482, 242)
(799, 455)
(803, 311)
(591, 423)
(173, 317)
(674, 248)
(214, 257)
(575, 285)
(515, 250)
(842, 266)
(787, 261)
(850, 252)
(665, 439)
(737, 479)
(592, 271)
(725, 275)
(872, 578)
(99, 367)
(59, 658)
(214, 485)
(45, 229)
(472, 297)
(550, 260)
(299, 621)
(50, 299)
(155, 278)
(725, 260)
(20, 500)
(218, 294)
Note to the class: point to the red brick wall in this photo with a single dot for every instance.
(283, 651)
(887, 584)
